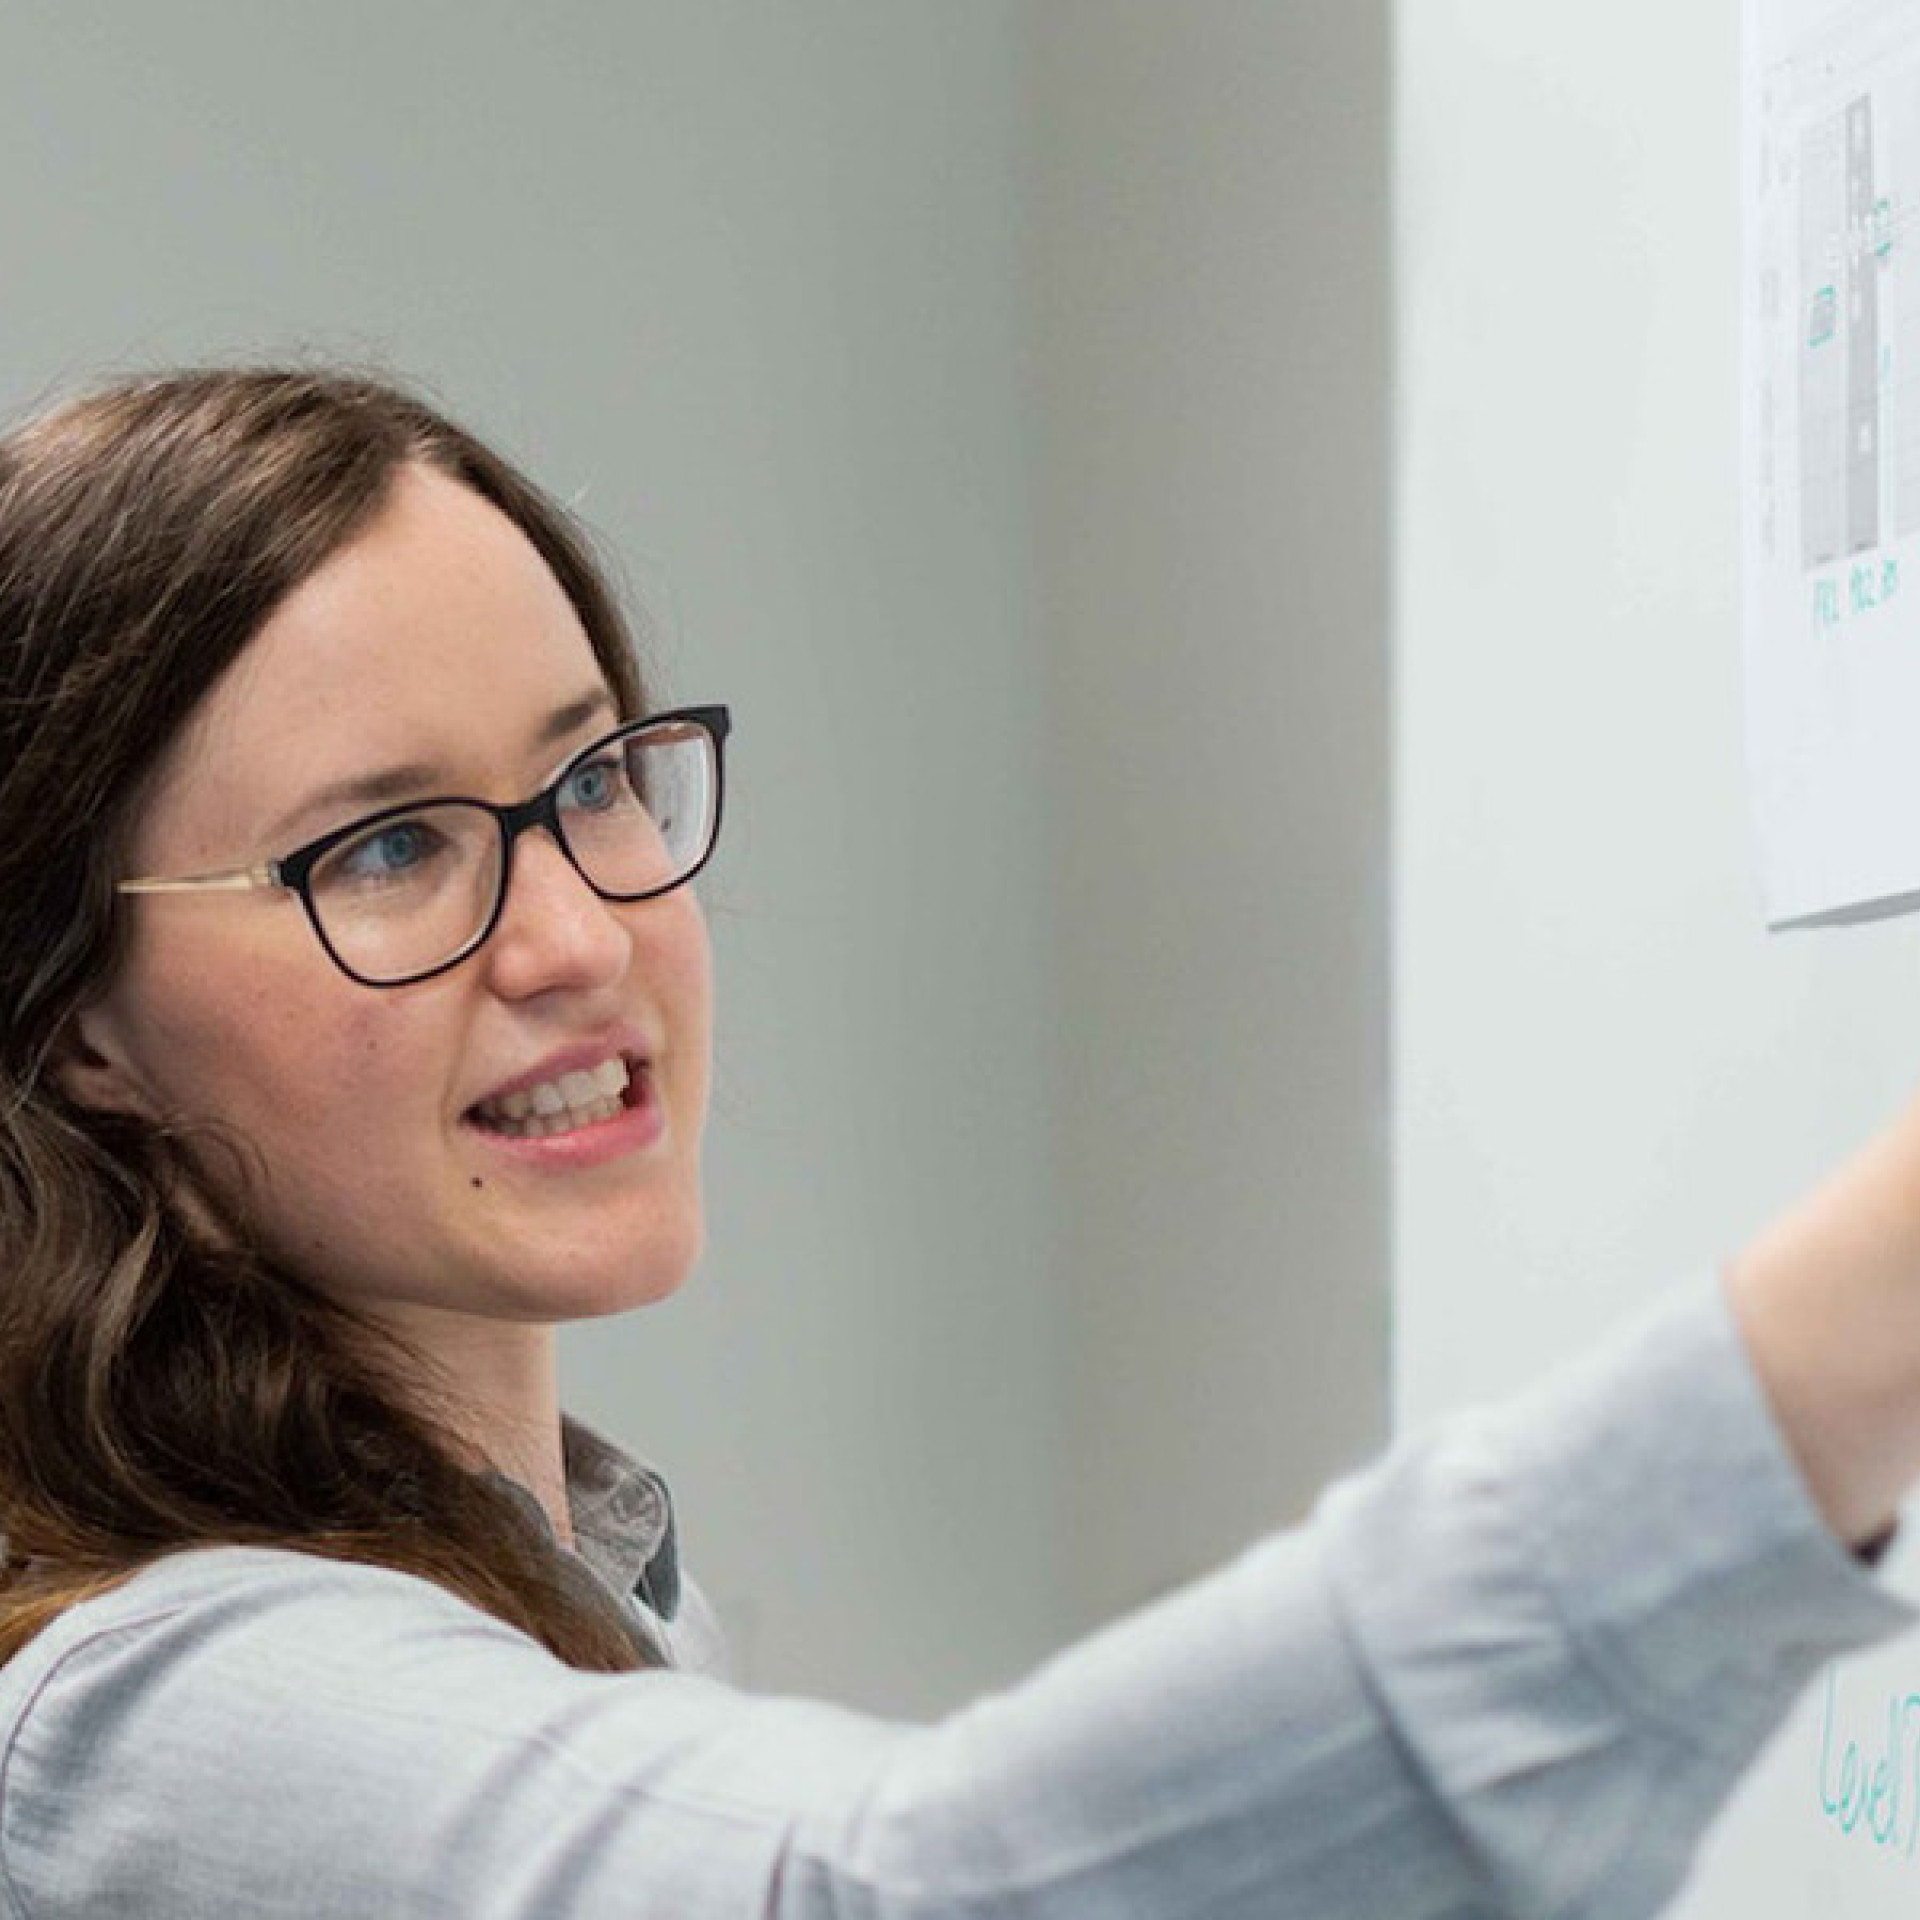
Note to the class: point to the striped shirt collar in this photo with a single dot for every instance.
(622, 1513)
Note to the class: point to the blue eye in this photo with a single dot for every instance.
(596, 786)
(389, 852)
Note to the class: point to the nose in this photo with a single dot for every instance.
(554, 930)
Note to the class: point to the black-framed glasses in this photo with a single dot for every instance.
(412, 890)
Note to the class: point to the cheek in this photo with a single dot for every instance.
(679, 961)
(331, 1137)
(273, 1052)
(675, 949)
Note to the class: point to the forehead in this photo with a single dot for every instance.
(439, 638)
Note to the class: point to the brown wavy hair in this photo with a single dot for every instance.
(158, 1392)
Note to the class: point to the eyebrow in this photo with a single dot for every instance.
(372, 790)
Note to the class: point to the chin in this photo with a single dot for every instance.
(589, 1290)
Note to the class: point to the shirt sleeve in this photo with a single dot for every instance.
(1493, 1676)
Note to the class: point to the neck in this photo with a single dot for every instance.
(502, 1379)
(541, 1469)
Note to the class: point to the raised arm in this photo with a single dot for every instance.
(1493, 1677)
(1828, 1299)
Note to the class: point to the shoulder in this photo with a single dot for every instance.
(264, 1731)
(212, 1719)
(296, 1617)
(190, 1682)
(223, 1586)
(227, 1605)
(694, 1640)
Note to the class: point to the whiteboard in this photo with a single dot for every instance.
(1607, 1072)
(1830, 1822)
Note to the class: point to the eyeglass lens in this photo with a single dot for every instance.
(637, 814)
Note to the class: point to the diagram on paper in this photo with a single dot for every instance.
(1832, 506)
(1860, 322)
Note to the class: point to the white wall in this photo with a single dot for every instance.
(1607, 1073)
(1211, 276)
(990, 400)
(746, 279)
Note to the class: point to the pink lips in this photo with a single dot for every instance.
(640, 1123)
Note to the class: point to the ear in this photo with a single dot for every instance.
(92, 1066)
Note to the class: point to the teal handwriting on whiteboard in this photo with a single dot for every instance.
(1872, 1793)
(1862, 589)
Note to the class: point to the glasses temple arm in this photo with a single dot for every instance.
(239, 880)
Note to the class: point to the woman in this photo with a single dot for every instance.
(354, 1026)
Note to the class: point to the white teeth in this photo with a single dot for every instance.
(539, 1126)
(578, 1099)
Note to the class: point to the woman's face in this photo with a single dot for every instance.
(437, 642)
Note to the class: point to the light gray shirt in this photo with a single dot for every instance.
(1511, 1669)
